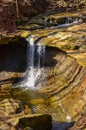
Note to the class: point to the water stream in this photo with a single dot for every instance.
(29, 80)
(35, 63)
(35, 74)
(70, 21)
(36, 56)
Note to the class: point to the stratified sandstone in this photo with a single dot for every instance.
(60, 91)
(13, 116)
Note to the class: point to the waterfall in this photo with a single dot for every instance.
(35, 63)
(40, 65)
(70, 21)
(29, 80)
(40, 60)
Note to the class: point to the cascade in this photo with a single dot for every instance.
(29, 79)
(70, 21)
(35, 63)
(40, 61)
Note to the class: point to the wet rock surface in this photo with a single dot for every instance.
(68, 37)
(61, 91)
(14, 116)
(63, 83)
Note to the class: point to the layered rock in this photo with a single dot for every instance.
(69, 37)
(64, 79)
(11, 70)
(13, 115)
(63, 84)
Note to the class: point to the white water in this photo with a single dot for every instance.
(29, 81)
(41, 59)
(69, 22)
(35, 63)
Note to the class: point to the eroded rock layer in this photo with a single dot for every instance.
(63, 85)
(14, 116)
(60, 91)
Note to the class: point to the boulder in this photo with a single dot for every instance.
(26, 122)
(13, 116)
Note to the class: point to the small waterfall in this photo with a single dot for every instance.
(30, 63)
(35, 63)
(40, 65)
(70, 21)
(40, 60)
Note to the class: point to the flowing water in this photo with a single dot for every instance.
(36, 58)
(70, 21)
(35, 73)
(35, 63)
(29, 81)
